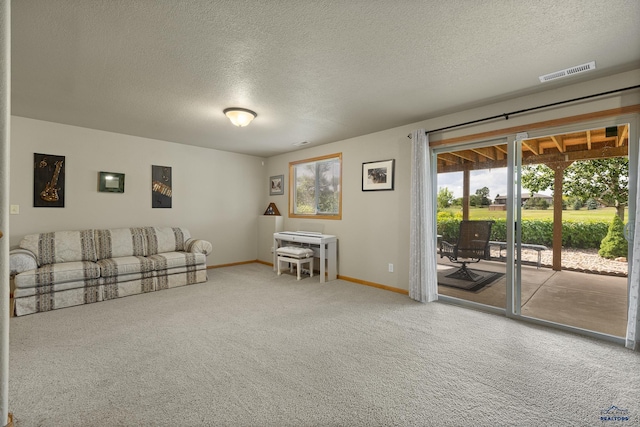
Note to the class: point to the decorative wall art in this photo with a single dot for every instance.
(378, 175)
(272, 209)
(276, 185)
(110, 182)
(48, 181)
(161, 186)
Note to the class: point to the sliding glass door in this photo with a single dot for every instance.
(559, 206)
(575, 191)
(472, 182)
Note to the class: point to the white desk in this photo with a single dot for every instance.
(324, 247)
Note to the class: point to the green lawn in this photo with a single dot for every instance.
(602, 214)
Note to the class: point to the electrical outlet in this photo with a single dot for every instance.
(390, 268)
(14, 209)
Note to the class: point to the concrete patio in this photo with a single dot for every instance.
(588, 301)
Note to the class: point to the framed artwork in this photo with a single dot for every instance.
(276, 185)
(161, 186)
(48, 181)
(378, 175)
(110, 182)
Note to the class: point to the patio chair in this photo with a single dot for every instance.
(472, 246)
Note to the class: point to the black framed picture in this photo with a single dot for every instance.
(161, 191)
(110, 182)
(48, 181)
(378, 175)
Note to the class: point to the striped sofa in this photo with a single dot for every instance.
(68, 268)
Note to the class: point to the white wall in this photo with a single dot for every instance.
(219, 195)
(216, 195)
(374, 230)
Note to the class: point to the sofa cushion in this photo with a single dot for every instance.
(58, 273)
(295, 251)
(125, 265)
(21, 260)
(198, 246)
(61, 246)
(169, 260)
(121, 242)
(166, 239)
(52, 289)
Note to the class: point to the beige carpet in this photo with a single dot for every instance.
(249, 348)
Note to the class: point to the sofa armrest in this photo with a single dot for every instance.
(198, 246)
(21, 260)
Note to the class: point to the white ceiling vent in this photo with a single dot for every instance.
(568, 72)
(300, 144)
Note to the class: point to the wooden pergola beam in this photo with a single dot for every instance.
(558, 169)
(448, 158)
(487, 152)
(623, 133)
(466, 178)
(533, 145)
(573, 156)
(464, 155)
(605, 153)
(557, 140)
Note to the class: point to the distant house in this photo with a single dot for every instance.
(502, 200)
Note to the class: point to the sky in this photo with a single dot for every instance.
(494, 179)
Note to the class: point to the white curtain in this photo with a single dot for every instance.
(423, 278)
(633, 319)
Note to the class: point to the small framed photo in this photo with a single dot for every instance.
(276, 185)
(378, 175)
(110, 182)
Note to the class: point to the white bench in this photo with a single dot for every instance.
(295, 255)
(539, 248)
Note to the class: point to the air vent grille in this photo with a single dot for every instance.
(568, 72)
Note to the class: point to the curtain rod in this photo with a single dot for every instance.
(526, 110)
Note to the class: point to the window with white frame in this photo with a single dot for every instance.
(315, 187)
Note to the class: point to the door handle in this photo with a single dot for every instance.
(628, 231)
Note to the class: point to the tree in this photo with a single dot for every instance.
(445, 198)
(482, 197)
(576, 203)
(536, 203)
(537, 178)
(614, 244)
(604, 180)
(317, 188)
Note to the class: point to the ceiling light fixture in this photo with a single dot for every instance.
(240, 116)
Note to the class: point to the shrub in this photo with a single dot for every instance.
(614, 244)
(448, 227)
(575, 234)
(583, 234)
(591, 204)
(538, 232)
(536, 203)
(577, 204)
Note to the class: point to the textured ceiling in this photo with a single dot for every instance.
(317, 71)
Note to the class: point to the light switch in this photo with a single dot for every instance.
(14, 209)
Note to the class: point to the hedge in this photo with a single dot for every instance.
(575, 234)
